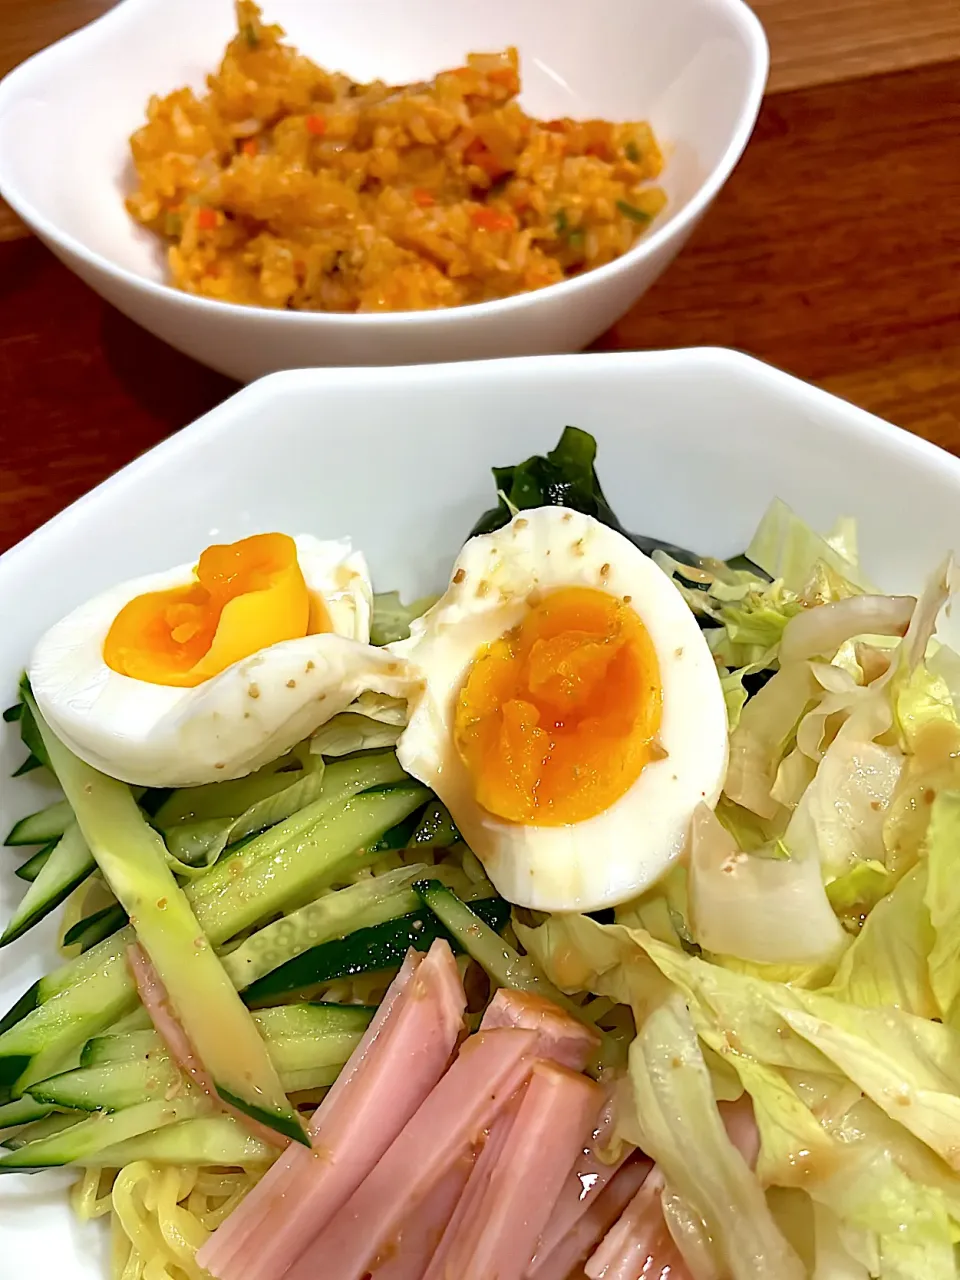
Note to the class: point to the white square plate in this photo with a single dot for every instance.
(692, 447)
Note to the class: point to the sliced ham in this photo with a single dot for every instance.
(561, 1037)
(408, 1255)
(637, 1244)
(394, 1068)
(584, 1184)
(570, 1252)
(468, 1207)
(489, 1069)
(557, 1112)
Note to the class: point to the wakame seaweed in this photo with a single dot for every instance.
(564, 477)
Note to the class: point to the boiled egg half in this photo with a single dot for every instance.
(570, 714)
(210, 670)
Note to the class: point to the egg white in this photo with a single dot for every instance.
(159, 736)
(612, 857)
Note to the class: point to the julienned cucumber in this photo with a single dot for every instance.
(31, 868)
(81, 1141)
(94, 928)
(333, 915)
(217, 1140)
(22, 1111)
(324, 1030)
(131, 857)
(226, 897)
(38, 828)
(50, 1123)
(38, 1037)
(69, 864)
(308, 1045)
(370, 950)
(56, 1015)
(502, 963)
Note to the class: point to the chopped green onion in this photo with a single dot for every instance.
(172, 225)
(562, 222)
(632, 152)
(633, 213)
(250, 34)
(576, 238)
(13, 713)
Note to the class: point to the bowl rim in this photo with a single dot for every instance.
(744, 19)
(849, 419)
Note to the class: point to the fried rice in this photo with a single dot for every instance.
(285, 185)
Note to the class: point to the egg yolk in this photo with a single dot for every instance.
(557, 718)
(247, 595)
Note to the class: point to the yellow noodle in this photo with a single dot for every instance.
(160, 1214)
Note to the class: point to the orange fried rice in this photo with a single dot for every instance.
(285, 185)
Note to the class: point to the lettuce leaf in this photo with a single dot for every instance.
(766, 910)
(887, 965)
(391, 617)
(681, 1128)
(943, 902)
(787, 548)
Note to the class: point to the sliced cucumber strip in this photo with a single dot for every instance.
(81, 1141)
(226, 799)
(94, 928)
(264, 878)
(30, 869)
(131, 856)
(123, 1047)
(197, 845)
(43, 826)
(505, 966)
(216, 1140)
(246, 888)
(341, 782)
(69, 864)
(22, 1111)
(113, 1086)
(43, 1032)
(368, 950)
(43, 1127)
(367, 902)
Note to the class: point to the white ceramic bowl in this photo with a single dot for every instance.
(695, 68)
(692, 446)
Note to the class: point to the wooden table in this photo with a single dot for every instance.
(833, 252)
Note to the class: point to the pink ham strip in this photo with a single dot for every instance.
(489, 1069)
(231, 1240)
(408, 1256)
(570, 1252)
(635, 1245)
(639, 1246)
(156, 1001)
(555, 1115)
(562, 1038)
(584, 1185)
(394, 1068)
(467, 1209)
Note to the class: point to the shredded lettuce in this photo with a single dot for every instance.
(943, 903)
(764, 909)
(888, 964)
(788, 549)
(391, 617)
(681, 1128)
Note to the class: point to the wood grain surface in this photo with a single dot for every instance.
(833, 252)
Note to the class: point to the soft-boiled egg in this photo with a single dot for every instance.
(208, 671)
(570, 714)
